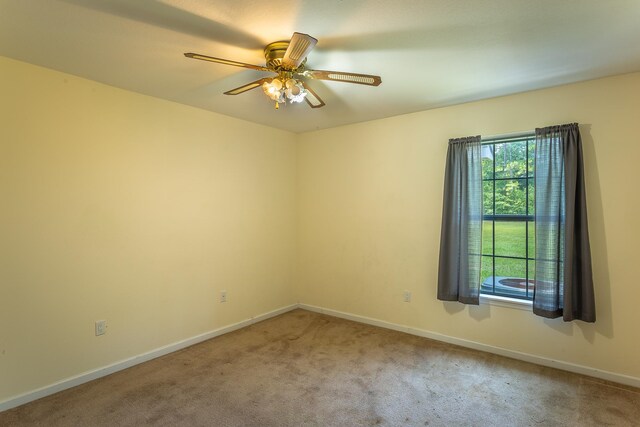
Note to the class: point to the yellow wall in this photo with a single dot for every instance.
(122, 207)
(139, 211)
(369, 212)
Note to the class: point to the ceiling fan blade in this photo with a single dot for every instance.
(299, 47)
(225, 61)
(247, 87)
(339, 76)
(312, 98)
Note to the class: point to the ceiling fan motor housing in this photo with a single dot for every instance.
(273, 54)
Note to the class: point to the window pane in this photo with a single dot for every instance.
(486, 274)
(511, 197)
(532, 272)
(487, 238)
(513, 268)
(499, 153)
(487, 161)
(532, 159)
(487, 197)
(510, 277)
(532, 198)
(511, 238)
(511, 159)
(532, 240)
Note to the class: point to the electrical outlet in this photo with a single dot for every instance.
(223, 296)
(406, 296)
(101, 327)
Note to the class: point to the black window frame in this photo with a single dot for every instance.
(528, 217)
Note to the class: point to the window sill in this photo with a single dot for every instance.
(518, 304)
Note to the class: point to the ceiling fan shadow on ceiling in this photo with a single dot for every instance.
(287, 59)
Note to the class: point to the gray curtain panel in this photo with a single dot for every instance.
(563, 278)
(461, 235)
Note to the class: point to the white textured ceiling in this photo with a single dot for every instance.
(429, 53)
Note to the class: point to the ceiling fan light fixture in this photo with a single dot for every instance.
(295, 91)
(291, 90)
(273, 89)
(276, 84)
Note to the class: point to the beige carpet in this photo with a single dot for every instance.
(307, 369)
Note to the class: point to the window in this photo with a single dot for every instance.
(508, 232)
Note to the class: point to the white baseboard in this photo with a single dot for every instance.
(135, 360)
(84, 377)
(532, 358)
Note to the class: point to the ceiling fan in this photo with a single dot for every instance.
(287, 59)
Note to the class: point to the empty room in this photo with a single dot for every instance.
(329, 213)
